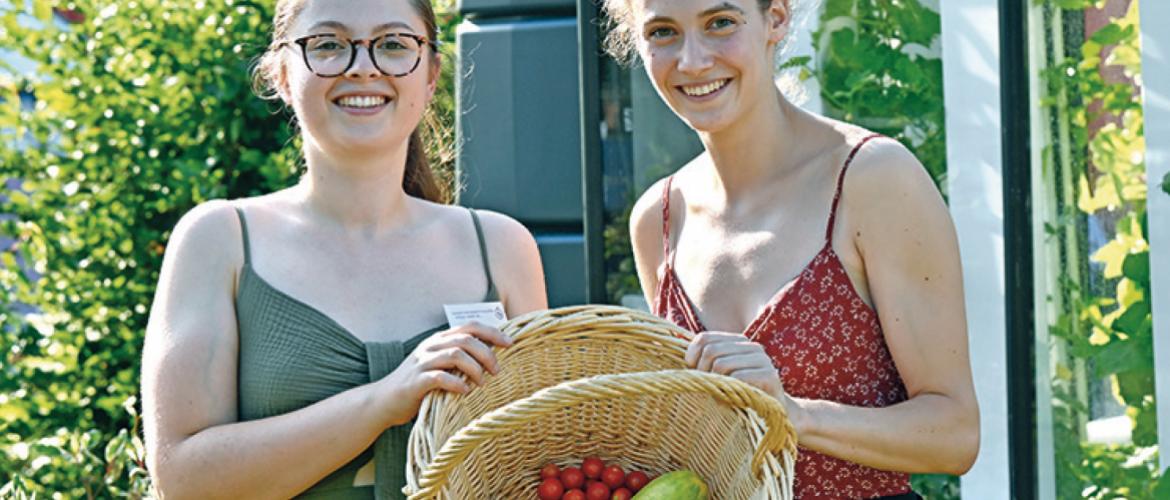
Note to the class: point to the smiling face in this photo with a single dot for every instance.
(710, 60)
(361, 110)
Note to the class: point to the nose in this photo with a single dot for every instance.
(363, 63)
(695, 57)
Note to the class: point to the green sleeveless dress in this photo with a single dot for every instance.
(292, 355)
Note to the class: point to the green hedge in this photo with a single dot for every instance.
(143, 110)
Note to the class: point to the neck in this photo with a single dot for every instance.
(357, 192)
(751, 152)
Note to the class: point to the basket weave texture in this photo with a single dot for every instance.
(599, 381)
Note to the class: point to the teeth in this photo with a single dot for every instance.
(362, 101)
(704, 89)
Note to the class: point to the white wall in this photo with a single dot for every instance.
(1156, 101)
(970, 46)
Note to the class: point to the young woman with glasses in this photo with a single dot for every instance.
(814, 259)
(293, 336)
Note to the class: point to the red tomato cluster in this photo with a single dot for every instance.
(593, 481)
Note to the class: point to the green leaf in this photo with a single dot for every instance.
(1137, 267)
(1069, 4)
(1145, 417)
(1162, 489)
(1118, 356)
(1111, 34)
(1132, 387)
(1135, 319)
(43, 10)
(794, 62)
(10, 412)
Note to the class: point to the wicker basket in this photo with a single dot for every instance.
(604, 381)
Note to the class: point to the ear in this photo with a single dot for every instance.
(433, 75)
(282, 87)
(778, 19)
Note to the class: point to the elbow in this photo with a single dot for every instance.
(966, 441)
(164, 477)
(167, 477)
(965, 453)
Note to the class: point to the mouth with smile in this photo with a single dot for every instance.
(704, 91)
(362, 103)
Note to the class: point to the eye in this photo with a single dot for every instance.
(326, 45)
(660, 33)
(392, 44)
(722, 23)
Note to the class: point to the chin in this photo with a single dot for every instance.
(708, 124)
(336, 144)
(370, 135)
(366, 145)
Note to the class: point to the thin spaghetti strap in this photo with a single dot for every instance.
(666, 219)
(244, 231)
(841, 184)
(483, 253)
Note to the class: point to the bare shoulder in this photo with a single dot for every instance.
(884, 174)
(515, 263)
(211, 233)
(892, 208)
(646, 219)
(503, 233)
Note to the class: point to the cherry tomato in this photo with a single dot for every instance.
(592, 467)
(597, 491)
(613, 476)
(636, 481)
(621, 494)
(550, 471)
(574, 495)
(572, 478)
(550, 489)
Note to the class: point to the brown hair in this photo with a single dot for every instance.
(418, 180)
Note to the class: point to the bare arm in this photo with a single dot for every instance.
(908, 244)
(910, 249)
(196, 448)
(646, 239)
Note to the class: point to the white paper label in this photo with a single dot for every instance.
(486, 313)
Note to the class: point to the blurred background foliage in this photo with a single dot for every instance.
(133, 114)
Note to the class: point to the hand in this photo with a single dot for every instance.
(435, 364)
(739, 357)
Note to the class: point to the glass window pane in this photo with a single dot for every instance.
(1097, 435)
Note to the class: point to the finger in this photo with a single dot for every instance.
(438, 379)
(466, 363)
(456, 358)
(695, 349)
(765, 379)
(721, 348)
(481, 352)
(730, 363)
(466, 341)
(486, 334)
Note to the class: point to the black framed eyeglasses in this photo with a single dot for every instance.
(394, 54)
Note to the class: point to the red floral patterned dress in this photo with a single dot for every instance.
(827, 344)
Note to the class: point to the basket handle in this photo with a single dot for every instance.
(780, 435)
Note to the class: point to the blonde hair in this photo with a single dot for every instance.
(267, 79)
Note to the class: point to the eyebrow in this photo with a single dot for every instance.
(713, 10)
(381, 27)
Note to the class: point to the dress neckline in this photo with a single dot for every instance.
(250, 273)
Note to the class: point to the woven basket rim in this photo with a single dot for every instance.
(774, 441)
